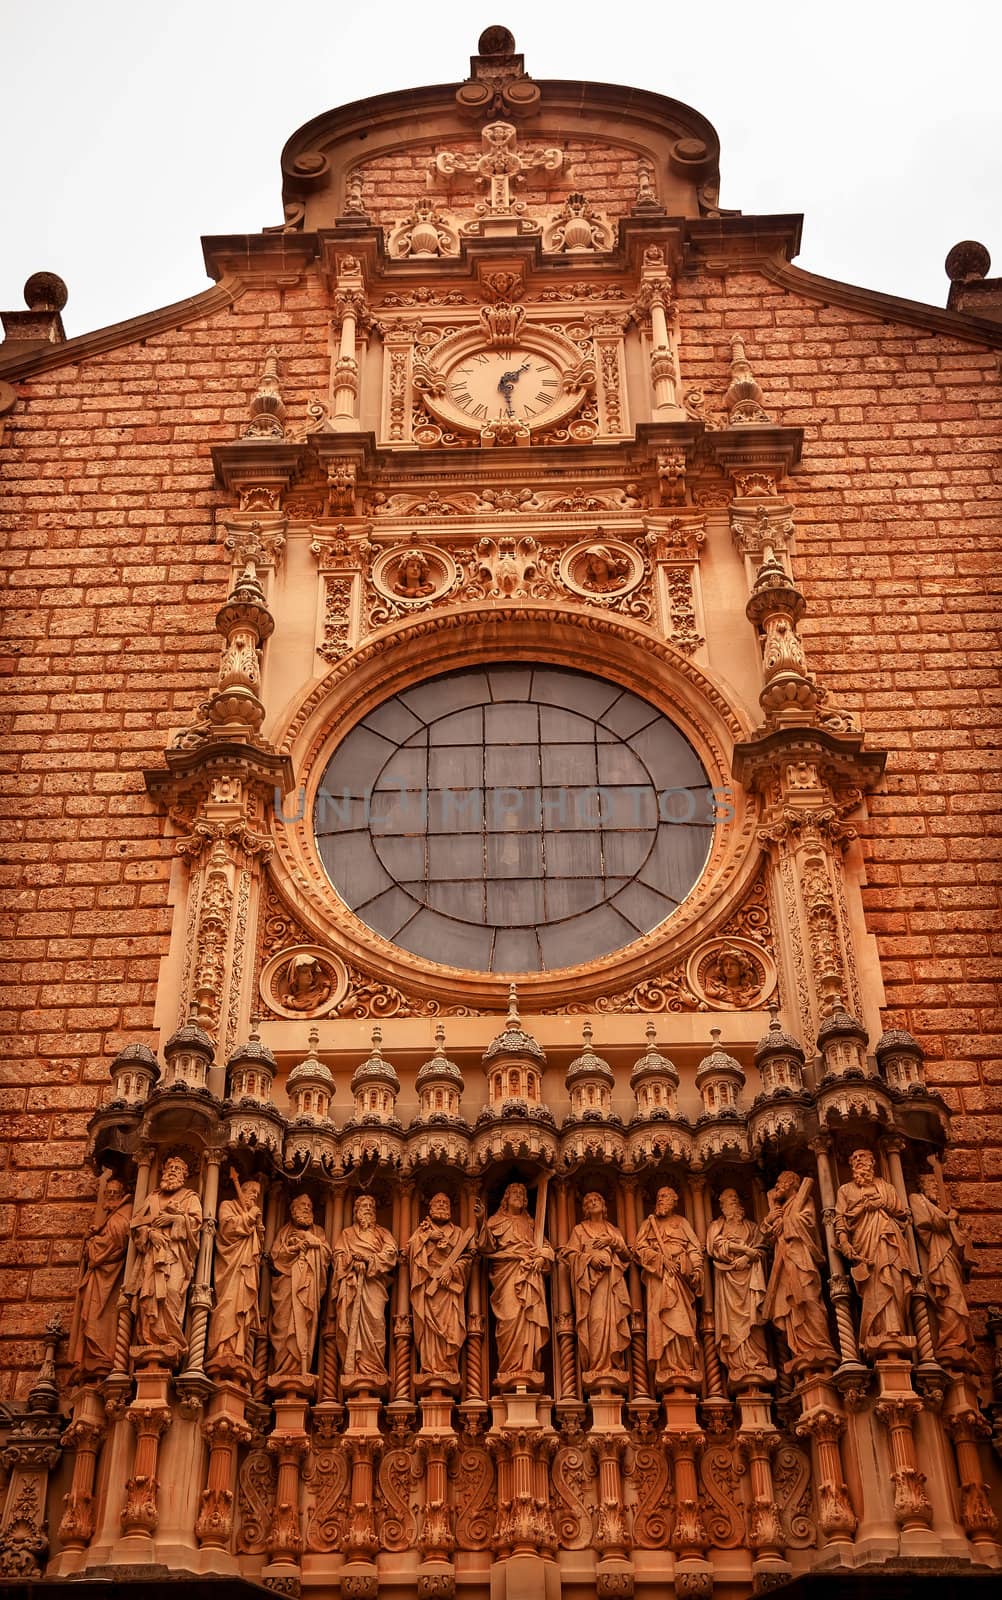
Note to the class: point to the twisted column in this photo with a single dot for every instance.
(200, 1295)
(852, 1373)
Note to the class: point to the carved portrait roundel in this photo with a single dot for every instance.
(514, 818)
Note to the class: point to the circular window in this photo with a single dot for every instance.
(514, 818)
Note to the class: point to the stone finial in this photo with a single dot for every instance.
(45, 295)
(900, 1059)
(374, 1083)
(43, 1394)
(133, 1073)
(46, 291)
(251, 1069)
(743, 400)
(719, 1079)
(245, 623)
(498, 84)
(267, 408)
(971, 289)
(188, 1052)
(439, 1082)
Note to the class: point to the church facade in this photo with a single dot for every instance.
(500, 1089)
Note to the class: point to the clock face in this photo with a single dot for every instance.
(509, 385)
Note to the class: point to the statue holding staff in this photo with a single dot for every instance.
(440, 1256)
(236, 1317)
(166, 1231)
(520, 1259)
(672, 1262)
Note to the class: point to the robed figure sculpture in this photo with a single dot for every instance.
(733, 1244)
(947, 1253)
(519, 1258)
(365, 1255)
(598, 1257)
(672, 1262)
(868, 1219)
(439, 1256)
(92, 1340)
(166, 1230)
(793, 1299)
(236, 1318)
(300, 1257)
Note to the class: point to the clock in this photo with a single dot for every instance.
(532, 380)
(508, 385)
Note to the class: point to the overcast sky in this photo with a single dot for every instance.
(133, 129)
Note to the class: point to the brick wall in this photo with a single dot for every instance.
(897, 505)
(115, 576)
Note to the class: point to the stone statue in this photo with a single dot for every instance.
(364, 1258)
(733, 1244)
(868, 1218)
(947, 1253)
(440, 1256)
(92, 1343)
(672, 1262)
(598, 1257)
(236, 1318)
(300, 1257)
(166, 1231)
(793, 1299)
(520, 1258)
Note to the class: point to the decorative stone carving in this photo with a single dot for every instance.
(165, 1231)
(440, 1256)
(598, 1257)
(601, 571)
(947, 1254)
(304, 981)
(365, 1255)
(412, 577)
(500, 168)
(520, 1258)
(868, 1219)
(299, 1257)
(731, 974)
(235, 1320)
(732, 1243)
(424, 232)
(577, 228)
(267, 408)
(92, 1338)
(671, 1258)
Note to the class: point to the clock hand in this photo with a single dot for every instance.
(508, 380)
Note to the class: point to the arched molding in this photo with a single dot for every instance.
(413, 650)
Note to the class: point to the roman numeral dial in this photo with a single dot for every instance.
(508, 385)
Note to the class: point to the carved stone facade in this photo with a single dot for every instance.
(515, 1177)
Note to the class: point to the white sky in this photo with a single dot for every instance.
(131, 129)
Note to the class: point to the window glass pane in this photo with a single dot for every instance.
(507, 820)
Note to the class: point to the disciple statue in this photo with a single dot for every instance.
(92, 1341)
(440, 1256)
(239, 1242)
(793, 1299)
(733, 1244)
(868, 1218)
(364, 1258)
(166, 1231)
(598, 1257)
(300, 1257)
(672, 1262)
(947, 1253)
(520, 1258)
